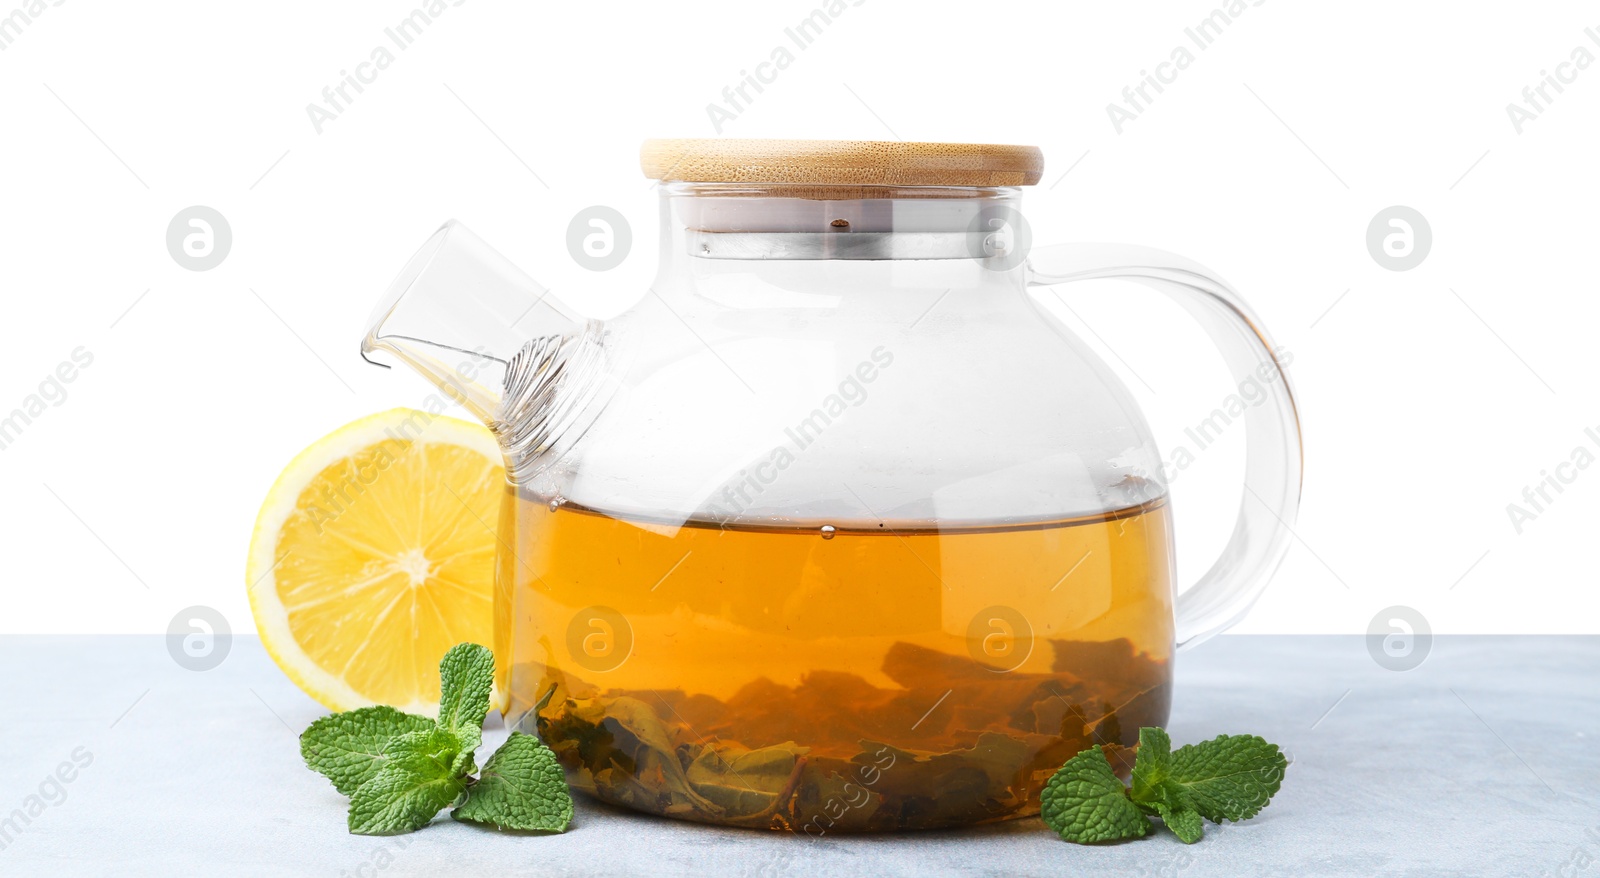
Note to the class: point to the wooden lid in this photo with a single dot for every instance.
(841, 162)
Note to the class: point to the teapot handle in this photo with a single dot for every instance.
(1271, 495)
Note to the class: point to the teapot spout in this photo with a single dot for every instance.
(463, 316)
(495, 341)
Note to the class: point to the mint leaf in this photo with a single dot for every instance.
(1152, 765)
(1230, 776)
(464, 764)
(1085, 802)
(466, 674)
(415, 782)
(1156, 793)
(347, 748)
(1185, 823)
(521, 787)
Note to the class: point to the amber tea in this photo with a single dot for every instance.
(860, 676)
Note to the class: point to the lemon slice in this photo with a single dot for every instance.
(374, 554)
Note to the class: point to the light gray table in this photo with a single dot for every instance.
(1483, 761)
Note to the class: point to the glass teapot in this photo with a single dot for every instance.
(837, 529)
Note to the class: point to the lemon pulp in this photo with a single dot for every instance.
(374, 554)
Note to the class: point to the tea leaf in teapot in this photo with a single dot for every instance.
(1108, 661)
(745, 783)
(971, 742)
(980, 696)
(577, 731)
(1133, 710)
(959, 786)
(639, 720)
(834, 795)
(630, 753)
(830, 711)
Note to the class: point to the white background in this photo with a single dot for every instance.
(1429, 398)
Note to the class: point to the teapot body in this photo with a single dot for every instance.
(838, 529)
(844, 537)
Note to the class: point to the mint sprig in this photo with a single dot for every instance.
(1231, 777)
(401, 770)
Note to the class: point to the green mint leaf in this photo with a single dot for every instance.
(1185, 823)
(415, 782)
(464, 764)
(1152, 766)
(1085, 802)
(521, 787)
(1170, 801)
(465, 677)
(1230, 776)
(347, 748)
